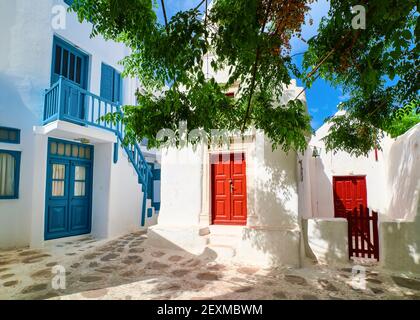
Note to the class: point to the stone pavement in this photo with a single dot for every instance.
(126, 268)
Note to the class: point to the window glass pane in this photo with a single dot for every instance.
(60, 150)
(68, 150)
(7, 174)
(81, 152)
(58, 188)
(65, 63)
(4, 134)
(59, 172)
(79, 189)
(78, 70)
(80, 173)
(72, 66)
(53, 148)
(75, 152)
(57, 65)
(12, 135)
(87, 153)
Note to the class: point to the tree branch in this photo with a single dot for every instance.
(165, 16)
(199, 5)
(255, 68)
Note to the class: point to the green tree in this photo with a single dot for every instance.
(378, 67)
(252, 38)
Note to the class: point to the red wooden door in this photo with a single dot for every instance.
(229, 189)
(349, 194)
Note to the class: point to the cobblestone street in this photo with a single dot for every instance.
(126, 268)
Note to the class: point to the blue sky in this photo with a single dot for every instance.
(322, 99)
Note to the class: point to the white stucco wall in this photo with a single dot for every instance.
(25, 69)
(326, 240)
(181, 179)
(317, 198)
(399, 234)
(125, 199)
(403, 176)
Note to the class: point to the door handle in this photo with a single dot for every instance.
(231, 186)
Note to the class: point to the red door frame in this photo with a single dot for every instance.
(230, 221)
(354, 205)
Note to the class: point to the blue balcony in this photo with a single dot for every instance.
(68, 102)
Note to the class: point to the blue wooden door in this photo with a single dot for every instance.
(71, 64)
(69, 190)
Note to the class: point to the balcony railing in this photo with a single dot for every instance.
(68, 102)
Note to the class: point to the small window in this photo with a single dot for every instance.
(9, 174)
(9, 135)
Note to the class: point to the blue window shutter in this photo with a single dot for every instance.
(107, 82)
(117, 87)
(69, 2)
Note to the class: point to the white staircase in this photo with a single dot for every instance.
(223, 241)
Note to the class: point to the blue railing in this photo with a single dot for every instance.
(68, 102)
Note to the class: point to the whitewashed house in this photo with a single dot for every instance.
(387, 181)
(238, 201)
(62, 171)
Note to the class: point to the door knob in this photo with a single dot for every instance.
(231, 185)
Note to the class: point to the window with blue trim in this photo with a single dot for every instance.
(9, 174)
(9, 135)
(110, 83)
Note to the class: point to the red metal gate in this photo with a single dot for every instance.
(363, 233)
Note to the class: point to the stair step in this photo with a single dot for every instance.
(226, 230)
(224, 239)
(223, 251)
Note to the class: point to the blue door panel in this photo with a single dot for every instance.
(57, 217)
(79, 217)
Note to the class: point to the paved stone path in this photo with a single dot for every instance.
(126, 268)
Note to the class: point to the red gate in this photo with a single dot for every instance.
(363, 233)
